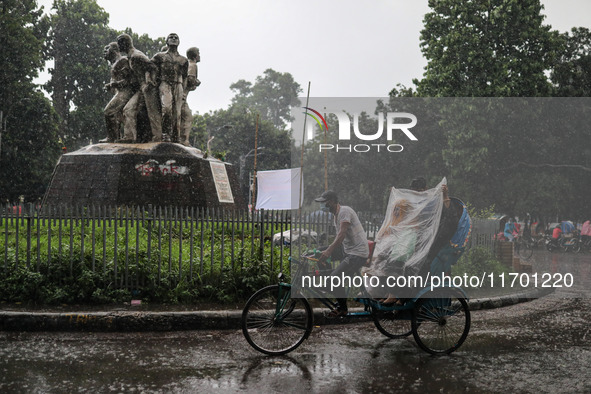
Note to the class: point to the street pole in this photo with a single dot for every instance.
(1, 119)
(242, 164)
(254, 181)
(243, 158)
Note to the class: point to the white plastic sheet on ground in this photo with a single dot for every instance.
(408, 231)
(278, 189)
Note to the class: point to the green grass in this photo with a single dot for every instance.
(160, 262)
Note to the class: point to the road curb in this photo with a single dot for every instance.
(118, 321)
(131, 321)
(509, 299)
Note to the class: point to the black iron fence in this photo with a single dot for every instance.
(134, 244)
(170, 242)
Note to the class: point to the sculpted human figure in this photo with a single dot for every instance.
(191, 83)
(144, 72)
(173, 69)
(121, 82)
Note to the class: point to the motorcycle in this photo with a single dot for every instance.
(571, 244)
(540, 241)
(552, 244)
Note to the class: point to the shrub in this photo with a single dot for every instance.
(477, 260)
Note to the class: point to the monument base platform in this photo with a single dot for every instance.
(161, 174)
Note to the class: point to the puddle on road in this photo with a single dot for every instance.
(542, 346)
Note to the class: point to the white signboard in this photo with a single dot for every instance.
(222, 183)
(278, 189)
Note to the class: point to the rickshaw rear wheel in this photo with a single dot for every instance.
(391, 323)
(441, 320)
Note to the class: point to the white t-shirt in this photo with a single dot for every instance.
(355, 242)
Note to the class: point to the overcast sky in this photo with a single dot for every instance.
(345, 48)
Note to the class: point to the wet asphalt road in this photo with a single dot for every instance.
(543, 346)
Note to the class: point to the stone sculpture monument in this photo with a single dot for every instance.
(191, 84)
(150, 162)
(172, 74)
(121, 82)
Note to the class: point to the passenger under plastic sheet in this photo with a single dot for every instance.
(424, 232)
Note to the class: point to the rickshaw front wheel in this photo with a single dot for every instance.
(274, 323)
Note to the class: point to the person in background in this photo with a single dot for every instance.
(509, 229)
(516, 230)
(418, 184)
(556, 232)
(586, 232)
(527, 227)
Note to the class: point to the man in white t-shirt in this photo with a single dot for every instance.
(351, 236)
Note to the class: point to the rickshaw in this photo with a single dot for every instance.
(279, 318)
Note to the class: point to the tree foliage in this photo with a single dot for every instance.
(236, 145)
(78, 35)
(23, 30)
(260, 112)
(571, 74)
(28, 147)
(503, 49)
(271, 96)
(522, 155)
(486, 48)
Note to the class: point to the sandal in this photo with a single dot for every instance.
(337, 313)
(391, 301)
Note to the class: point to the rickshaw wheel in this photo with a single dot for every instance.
(441, 320)
(391, 324)
(275, 323)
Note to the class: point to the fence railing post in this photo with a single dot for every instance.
(65, 224)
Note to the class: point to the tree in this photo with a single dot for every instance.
(491, 151)
(571, 74)
(28, 143)
(240, 139)
(235, 144)
(363, 176)
(270, 98)
(352, 175)
(78, 35)
(23, 30)
(487, 49)
(271, 95)
(30, 149)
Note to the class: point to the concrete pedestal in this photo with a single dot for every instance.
(161, 174)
